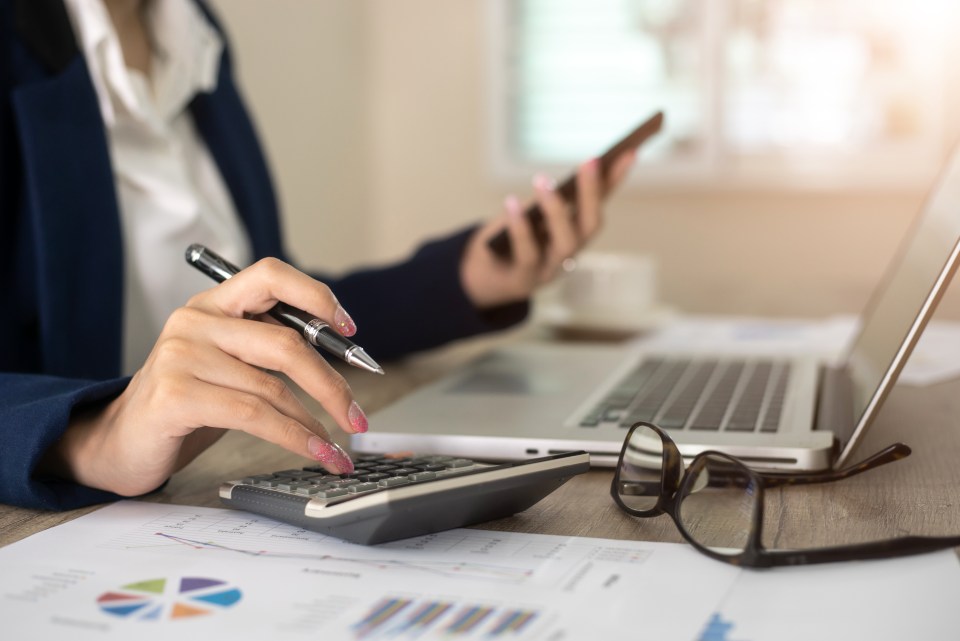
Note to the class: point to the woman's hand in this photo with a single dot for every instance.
(490, 281)
(208, 372)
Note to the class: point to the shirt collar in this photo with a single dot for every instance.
(186, 59)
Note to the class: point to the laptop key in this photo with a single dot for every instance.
(676, 414)
(745, 415)
(711, 413)
(771, 418)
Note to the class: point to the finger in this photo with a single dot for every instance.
(256, 289)
(272, 347)
(526, 254)
(589, 197)
(564, 241)
(619, 169)
(218, 368)
(202, 404)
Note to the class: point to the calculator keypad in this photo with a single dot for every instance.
(371, 474)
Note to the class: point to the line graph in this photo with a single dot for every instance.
(255, 537)
(444, 569)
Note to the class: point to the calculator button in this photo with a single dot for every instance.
(432, 467)
(268, 482)
(294, 474)
(403, 471)
(331, 493)
(344, 483)
(373, 477)
(460, 462)
(393, 481)
(383, 468)
(309, 490)
(362, 487)
(422, 476)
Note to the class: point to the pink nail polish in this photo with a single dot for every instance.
(330, 454)
(542, 182)
(358, 420)
(343, 322)
(512, 204)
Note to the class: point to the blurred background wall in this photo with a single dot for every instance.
(377, 120)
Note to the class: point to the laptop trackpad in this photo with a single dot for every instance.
(506, 382)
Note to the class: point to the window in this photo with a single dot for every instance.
(768, 92)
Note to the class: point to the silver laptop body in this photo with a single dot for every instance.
(535, 399)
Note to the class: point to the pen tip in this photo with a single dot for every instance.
(380, 371)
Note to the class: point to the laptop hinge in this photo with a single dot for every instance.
(835, 404)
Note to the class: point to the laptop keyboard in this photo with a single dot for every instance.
(704, 395)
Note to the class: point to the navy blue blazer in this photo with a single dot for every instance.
(61, 255)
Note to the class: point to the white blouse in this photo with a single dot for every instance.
(169, 189)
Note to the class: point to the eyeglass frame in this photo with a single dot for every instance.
(754, 554)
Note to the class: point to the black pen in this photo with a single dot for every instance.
(317, 332)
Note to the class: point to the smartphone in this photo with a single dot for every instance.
(500, 244)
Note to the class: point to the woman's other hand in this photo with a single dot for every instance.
(490, 281)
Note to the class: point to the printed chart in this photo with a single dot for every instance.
(169, 598)
(403, 618)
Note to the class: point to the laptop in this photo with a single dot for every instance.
(776, 412)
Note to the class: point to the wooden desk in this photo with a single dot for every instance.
(918, 495)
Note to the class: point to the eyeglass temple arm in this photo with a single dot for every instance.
(902, 546)
(890, 454)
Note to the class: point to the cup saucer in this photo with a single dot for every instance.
(562, 317)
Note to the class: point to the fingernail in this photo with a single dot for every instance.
(512, 204)
(593, 165)
(343, 322)
(358, 420)
(330, 454)
(542, 182)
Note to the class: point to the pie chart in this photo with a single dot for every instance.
(169, 598)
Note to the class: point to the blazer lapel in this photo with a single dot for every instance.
(71, 201)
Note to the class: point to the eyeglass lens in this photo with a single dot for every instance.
(641, 469)
(717, 504)
(717, 499)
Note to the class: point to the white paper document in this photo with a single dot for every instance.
(148, 571)
(935, 358)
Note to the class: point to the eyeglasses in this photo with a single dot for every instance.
(717, 501)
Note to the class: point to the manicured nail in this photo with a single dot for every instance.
(542, 182)
(358, 420)
(512, 204)
(343, 322)
(592, 165)
(330, 454)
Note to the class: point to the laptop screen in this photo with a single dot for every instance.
(906, 298)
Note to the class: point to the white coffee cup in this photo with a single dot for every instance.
(603, 290)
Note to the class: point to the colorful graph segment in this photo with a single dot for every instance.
(401, 618)
(717, 629)
(169, 599)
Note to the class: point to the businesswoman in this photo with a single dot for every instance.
(123, 140)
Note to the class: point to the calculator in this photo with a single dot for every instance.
(391, 497)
